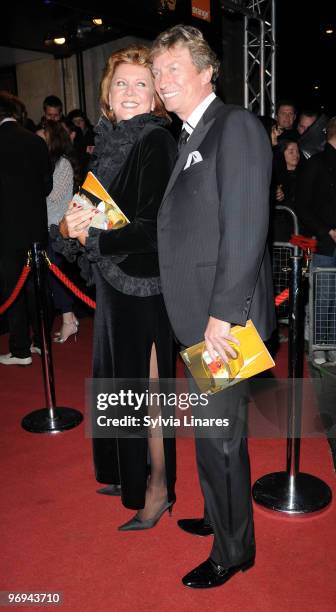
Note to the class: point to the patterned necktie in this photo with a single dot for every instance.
(182, 139)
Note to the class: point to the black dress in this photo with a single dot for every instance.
(130, 314)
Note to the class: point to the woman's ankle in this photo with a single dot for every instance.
(157, 490)
(68, 318)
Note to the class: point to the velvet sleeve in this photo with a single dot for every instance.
(156, 161)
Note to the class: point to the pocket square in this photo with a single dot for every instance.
(193, 158)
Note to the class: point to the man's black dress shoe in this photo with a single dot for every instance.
(110, 490)
(196, 526)
(209, 574)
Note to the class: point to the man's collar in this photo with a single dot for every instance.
(197, 113)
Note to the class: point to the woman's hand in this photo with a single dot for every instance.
(76, 222)
(279, 194)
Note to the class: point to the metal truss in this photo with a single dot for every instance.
(259, 52)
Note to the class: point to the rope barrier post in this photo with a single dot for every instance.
(292, 491)
(52, 419)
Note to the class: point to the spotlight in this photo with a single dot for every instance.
(57, 36)
(329, 31)
(97, 21)
(59, 41)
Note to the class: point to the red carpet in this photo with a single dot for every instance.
(59, 535)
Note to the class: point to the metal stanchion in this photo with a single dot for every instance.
(292, 491)
(51, 419)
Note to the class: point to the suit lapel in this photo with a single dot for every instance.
(199, 133)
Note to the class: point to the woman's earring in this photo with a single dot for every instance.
(111, 108)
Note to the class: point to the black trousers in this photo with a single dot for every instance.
(125, 329)
(23, 312)
(224, 474)
(62, 297)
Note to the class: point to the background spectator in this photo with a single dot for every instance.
(305, 120)
(25, 180)
(65, 182)
(287, 163)
(84, 142)
(285, 118)
(52, 110)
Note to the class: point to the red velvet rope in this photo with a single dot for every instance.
(301, 241)
(16, 290)
(282, 297)
(304, 242)
(71, 285)
(297, 239)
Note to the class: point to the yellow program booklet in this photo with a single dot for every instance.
(213, 376)
(92, 194)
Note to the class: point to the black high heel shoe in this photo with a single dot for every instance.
(135, 524)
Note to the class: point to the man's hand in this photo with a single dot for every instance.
(217, 335)
(275, 133)
(332, 234)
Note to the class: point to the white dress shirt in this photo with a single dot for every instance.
(197, 113)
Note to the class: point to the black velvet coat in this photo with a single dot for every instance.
(127, 326)
(138, 191)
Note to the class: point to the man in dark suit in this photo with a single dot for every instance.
(215, 272)
(25, 181)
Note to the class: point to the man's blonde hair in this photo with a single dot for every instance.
(187, 36)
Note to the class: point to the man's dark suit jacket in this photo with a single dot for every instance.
(25, 181)
(213, 224)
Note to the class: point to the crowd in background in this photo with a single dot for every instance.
(300, 142)
(304, 175)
